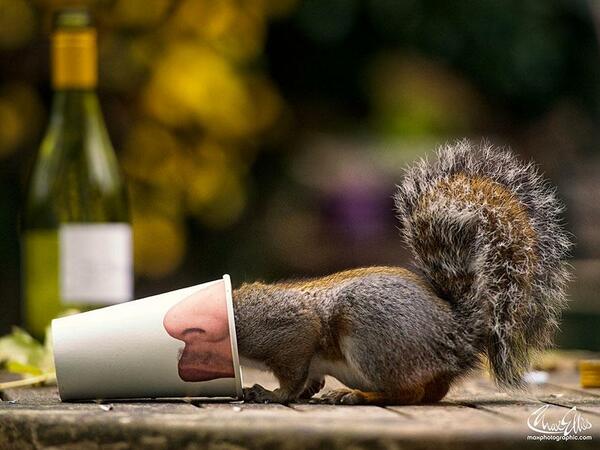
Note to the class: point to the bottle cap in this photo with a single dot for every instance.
(589, 373)
(74, 55)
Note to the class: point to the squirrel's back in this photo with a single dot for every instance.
(485, 232)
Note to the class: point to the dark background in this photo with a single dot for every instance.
(263, 138)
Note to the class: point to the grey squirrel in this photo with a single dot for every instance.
(485, 232)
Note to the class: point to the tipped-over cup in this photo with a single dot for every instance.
(177, 344)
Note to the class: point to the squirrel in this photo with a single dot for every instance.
(487, 239)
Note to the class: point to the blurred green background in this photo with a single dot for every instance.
(263, 138)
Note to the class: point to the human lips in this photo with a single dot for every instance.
(201, 364)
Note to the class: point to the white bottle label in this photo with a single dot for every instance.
(95, 263)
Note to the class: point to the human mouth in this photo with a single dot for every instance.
(197, 365)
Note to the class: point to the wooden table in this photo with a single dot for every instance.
(474, 415)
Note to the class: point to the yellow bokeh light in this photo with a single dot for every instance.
(193, 84)
(151, 154)
(159, 244)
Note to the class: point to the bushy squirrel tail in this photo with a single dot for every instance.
(485, 231)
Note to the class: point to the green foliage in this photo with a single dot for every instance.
(20, 353)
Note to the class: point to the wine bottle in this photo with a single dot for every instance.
(76, 236)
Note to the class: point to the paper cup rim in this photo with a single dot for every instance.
(233, 337)
(58, 383)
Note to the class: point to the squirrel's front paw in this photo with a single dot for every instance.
(258, 394)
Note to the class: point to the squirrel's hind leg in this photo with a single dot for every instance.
(433, 392)
(358, 397)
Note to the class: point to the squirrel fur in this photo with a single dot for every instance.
(486, 236)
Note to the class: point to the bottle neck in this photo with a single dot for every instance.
(75, 106)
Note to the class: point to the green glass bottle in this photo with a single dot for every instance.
(76, 236)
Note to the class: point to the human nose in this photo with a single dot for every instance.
(191, 321)
(180, 319)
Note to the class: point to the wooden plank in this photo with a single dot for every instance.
(351, 413)
(480, 393)
(260, 423)
(450, 416)
(248, 410)
(115, 431)
(474, 414)
(567, 382)
(47, 399)
(37, 395)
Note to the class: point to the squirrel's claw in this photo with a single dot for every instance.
(257, 394)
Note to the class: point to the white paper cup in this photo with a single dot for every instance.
(177, 344)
